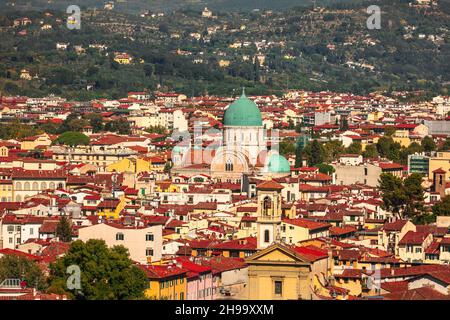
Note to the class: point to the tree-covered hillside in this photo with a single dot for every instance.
(134, 6)
(327, 48)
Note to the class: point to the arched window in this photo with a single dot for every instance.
(18, 198)
(266, 236)
(18, 186)
(51, 185)
(35, 186)
(26, 186)
(229, 165)
(43, 186)
(60, 186)
(267, 204)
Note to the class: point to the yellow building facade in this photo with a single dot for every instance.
(114, 213)
(165, 282)
(442, 160)
(279, 273)
(130, 165)
(402, 137)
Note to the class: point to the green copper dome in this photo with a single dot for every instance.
(278, 164)
(242, 113)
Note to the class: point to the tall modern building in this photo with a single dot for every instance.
(418, 164)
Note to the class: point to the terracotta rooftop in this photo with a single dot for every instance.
(269, 185)
(308, 224)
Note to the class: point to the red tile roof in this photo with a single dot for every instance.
(350, 273)
(423, 293)
(440, 170)
(411, 271)
(395, 286)
(18, 253)
(394, 226)
(194, 269)
(311, 253)
(308, 224)
(162, 272)
(393, 166)
(414, 238)
(238, 244)
(269, 185)
(39, 174)
(338, 231)
(220, 263)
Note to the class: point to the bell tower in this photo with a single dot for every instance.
(439, 181)
(269, 213)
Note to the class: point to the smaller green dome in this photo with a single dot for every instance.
(278, 164)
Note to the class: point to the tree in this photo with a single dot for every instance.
(298, 155)
(91, 71)
(291, 124)
(415, 194)
(332, 149)
(11, 88)
(411, 149)
(286, 147)
(355, 148)
(446, 145)
(326, 168)
(122, 126)
(106, 273)
(72, 139)
(95, 121)
(156, 129)
(61, 76)
(149, 70)
(49, 127)
(72, 123)
(316, 156)
(298, 127)
(17, 130)
(344, 124)
(442, 208)
(389, 131)
(394, 197)
(428, 144)
(77, 125)
(167, 167)
(256, 70)
(64, 229)
(388, 148)
(16, 267)
(371, 151)
(383, 146)
(403, 198)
